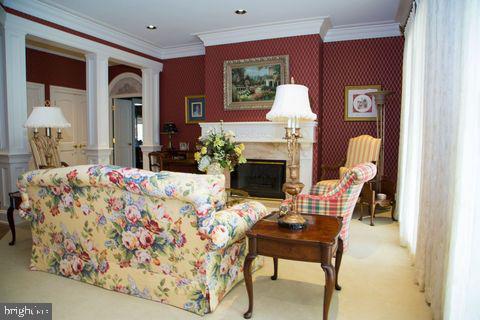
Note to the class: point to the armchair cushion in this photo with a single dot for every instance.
(338, 197)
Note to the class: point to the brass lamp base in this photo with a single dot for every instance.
(292, 221)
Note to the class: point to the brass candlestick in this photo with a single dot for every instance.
(293, 187)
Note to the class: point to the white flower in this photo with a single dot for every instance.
(129, 240)
(143, 256)
(67, 200)
(220, 236)
(133, 214)
(65, 267)
(204, 163)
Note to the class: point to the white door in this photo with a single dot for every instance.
(35, 98)
(73, 103)
(123, 132)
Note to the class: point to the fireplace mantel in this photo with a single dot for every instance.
(268, 135)
(263, 131)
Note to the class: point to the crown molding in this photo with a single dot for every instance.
(190, 50)
(81, 23)
(318, 25)
(363, 31)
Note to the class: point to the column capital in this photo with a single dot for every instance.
(96, 56)
(152, 70)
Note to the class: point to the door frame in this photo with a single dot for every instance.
(113, 96)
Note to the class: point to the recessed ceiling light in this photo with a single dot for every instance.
(151, 27)
(240, 11)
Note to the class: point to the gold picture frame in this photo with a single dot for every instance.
(250, 84)
(195, 109)
(358, 105)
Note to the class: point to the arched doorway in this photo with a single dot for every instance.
(126, 121)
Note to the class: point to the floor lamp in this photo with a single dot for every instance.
(292, 106)
(379, 98)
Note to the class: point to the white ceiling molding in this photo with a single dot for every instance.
(364, 31)
(284, 29)
(191, 50)
(83, 24)
(69, 40)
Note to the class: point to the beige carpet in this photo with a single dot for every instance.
(376, 277)
(4, 229)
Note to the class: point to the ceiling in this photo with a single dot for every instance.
(178, 20)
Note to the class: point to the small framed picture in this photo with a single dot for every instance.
(194, 109)
(184, 146)
(359, 106)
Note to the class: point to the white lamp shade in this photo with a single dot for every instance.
(291, 102)
(46, 117)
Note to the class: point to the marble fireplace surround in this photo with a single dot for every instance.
(264, 140)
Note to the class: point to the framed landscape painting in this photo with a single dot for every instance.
(358, 105)
(194, 109)
(251, 83)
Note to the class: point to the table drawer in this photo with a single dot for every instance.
(289, 250)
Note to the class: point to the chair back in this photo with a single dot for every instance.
(39, 146)
(338, 199)
(362, 149)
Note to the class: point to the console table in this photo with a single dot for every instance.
(318, 242)
(173, 160)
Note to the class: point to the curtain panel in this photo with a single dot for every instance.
(440, 149)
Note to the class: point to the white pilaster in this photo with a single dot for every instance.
(14, 149)
(150, 113)
(98, 110)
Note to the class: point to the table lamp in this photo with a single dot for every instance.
(292, 106)
(169, 128)
(47, 117)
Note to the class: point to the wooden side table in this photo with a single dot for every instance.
(368, 197)
(15, 201)
(316, 243)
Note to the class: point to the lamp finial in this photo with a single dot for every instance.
(292, 81)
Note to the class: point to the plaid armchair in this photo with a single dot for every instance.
(337, 199)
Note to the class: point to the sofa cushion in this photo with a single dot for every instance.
(205, 192)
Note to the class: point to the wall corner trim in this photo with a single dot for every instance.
(189, 50)
(283, 29)
(363, 31)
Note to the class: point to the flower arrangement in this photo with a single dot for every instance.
(219, 149)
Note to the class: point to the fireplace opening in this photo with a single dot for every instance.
(260, 178)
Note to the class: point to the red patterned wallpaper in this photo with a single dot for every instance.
(360, 62)
(115, 70)
(181, 77)
(51, 69)
(304, 58)
(303, 54)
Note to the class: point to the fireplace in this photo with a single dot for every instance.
(260, 178)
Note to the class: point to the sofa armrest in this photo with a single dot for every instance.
(230, 225)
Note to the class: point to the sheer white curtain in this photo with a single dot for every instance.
(440, 151)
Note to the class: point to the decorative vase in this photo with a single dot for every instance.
(216, 168)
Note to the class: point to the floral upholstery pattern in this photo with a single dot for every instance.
(162, 236)
(338, 197)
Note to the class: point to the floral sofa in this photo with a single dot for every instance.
(162, 236)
